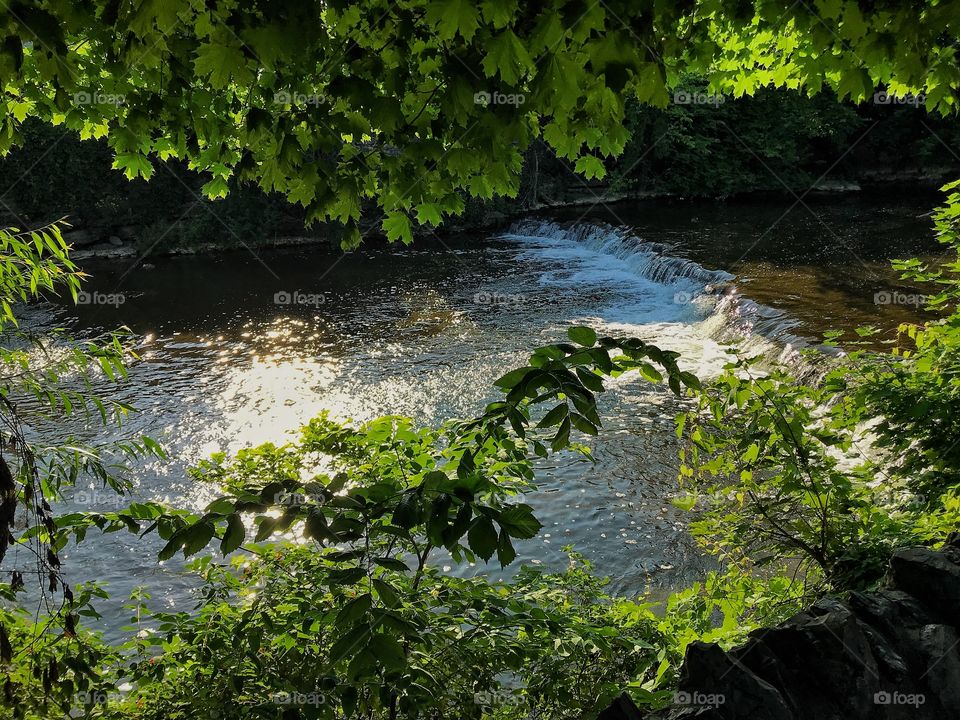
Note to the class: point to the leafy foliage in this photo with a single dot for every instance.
(334, 103)
(332, 607)
(378, 629)
(283, 636)
(43, 380)
(833, 476)
(704, 144)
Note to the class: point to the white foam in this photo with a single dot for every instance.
(646, 290)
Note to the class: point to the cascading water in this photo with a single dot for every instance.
(648, 260)
(601, 254)
(424, 331)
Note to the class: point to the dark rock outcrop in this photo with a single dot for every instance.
(621, 708)
(884, 655)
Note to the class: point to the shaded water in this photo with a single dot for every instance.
(423, 331)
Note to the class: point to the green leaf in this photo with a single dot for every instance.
(590, 380)
(266, 526)
(583, 425)
(429, 214)
(453, 16)
(216, 188)
(386, 592)
(519, 522)
(316, 528)
(482, 537)
(649, 372)
(220, 63)
(195, 537)
(388, 651)
(406, 514)
(562, 438)
(684, 503)
(133, 165)
(590, 167)
(350, 643)
(346, 576)
(397, 227)
(170, 549)
(354, 610)
(555, 416)
(512, 378)
(233, 535)
(582, 335)
(391, 564)
(505, 551)
(508, 56)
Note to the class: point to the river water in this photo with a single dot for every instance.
(240, 349)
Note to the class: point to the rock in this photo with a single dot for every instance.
(930, 576)
(114, 240)
(622, 708)
(891, 654)
(80, 238)
(939, 643)
(104, 250)
(836, 186)
(493, 217)
(714, 683)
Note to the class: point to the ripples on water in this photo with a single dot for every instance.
(424, 332)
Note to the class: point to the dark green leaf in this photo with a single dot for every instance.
(233, 534)
(519, 521)
(482, 537)
(582, 335)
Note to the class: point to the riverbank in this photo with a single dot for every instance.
(778, 143)
(494, 217)
(239, 350)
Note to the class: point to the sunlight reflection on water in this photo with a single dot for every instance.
(418, 333)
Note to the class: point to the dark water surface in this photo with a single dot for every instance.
(423, 331)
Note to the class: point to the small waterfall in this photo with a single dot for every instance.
(648, 260)
(725, 316)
